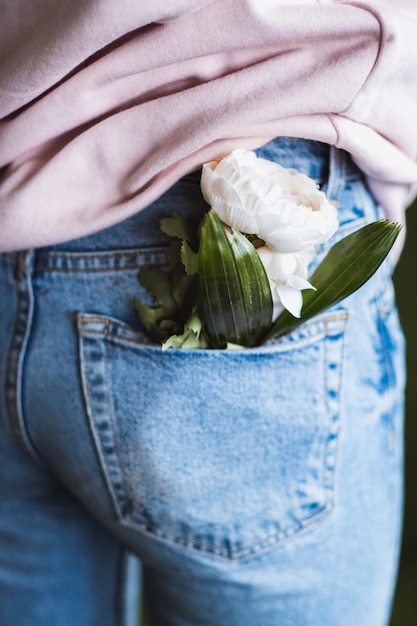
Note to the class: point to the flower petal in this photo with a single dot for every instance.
(291, 299)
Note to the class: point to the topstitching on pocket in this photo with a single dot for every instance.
(227, 452)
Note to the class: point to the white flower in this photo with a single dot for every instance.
(257, 196)
(283, 207)
(287, 275)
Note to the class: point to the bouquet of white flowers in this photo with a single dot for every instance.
(241, 278)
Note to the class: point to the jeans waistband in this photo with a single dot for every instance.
(330, 167)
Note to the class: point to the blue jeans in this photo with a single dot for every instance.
(261, 486)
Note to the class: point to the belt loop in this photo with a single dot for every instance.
(336, 173)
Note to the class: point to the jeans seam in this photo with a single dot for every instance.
(17, 352)
(113, 491)
(128, 587)
(99, 261)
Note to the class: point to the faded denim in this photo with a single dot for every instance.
(261, 486)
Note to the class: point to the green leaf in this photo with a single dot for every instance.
(189, 259)
(175, 295)
(181, 229)
(185, 293)
(191, 338)
(255, 285)
(347, 266)
(256, 241)
(157, 282)
(173, 253)
(154, 320)
(235, 293)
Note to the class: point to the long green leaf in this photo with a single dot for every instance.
(255, 285)
(235, 293)
(219, 284)
(347, 266)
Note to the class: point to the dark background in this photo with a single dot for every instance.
(405, 605)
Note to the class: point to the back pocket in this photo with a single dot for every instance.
(223, 451)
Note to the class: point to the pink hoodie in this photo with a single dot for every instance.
(104, 105)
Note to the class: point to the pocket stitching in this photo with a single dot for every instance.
(120, 498)
(312, 330)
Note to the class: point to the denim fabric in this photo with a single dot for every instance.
(261, 486)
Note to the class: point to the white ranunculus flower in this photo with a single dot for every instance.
(287, 275)
(257, 196)
(282, 207)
